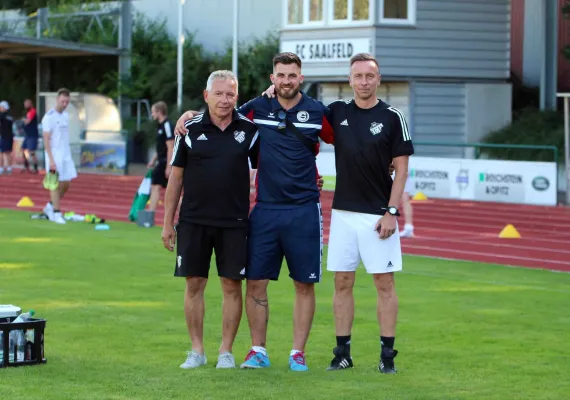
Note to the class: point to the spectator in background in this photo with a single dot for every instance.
(6, 137)
(30, 143)
(164, 148)
(58, 158)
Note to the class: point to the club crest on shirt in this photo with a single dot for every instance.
(239, 136)
(302, 116)
(376, 128)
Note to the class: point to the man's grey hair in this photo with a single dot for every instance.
(221, 74)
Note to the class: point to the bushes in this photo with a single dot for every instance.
(153, 70)
(530, 127)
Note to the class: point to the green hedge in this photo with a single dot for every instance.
(530, 127)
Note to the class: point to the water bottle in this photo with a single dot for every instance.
(18, 339)
(1, 347)
(24, 317)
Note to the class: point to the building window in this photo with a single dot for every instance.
(349, 10)
(295, 12)
(300, 12)
(398, 11)
(328, 12)
(360, 10)
(315, 10)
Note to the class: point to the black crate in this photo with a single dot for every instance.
(34, 352)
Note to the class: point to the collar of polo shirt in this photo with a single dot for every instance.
(276, 106)
(206, 117)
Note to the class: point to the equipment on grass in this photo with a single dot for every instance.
(145, 218)
(71, 216)
(141, 197)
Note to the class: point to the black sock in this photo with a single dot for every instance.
(343, 341)
(36, 167)
(387, 342)
(26, 163)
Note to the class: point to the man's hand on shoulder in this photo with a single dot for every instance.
(269, 92)
(179, 129)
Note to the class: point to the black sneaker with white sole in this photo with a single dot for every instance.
(386, 365)
(341, 360)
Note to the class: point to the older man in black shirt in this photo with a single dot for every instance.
(211, 162)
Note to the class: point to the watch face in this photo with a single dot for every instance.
(392, 210)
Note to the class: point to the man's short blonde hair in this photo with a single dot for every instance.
(161, 107)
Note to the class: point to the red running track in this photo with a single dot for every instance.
(444, 228)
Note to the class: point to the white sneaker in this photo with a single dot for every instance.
(407, 233)
(58, 218)
(48, 210)
(194, 360)
(226, 360)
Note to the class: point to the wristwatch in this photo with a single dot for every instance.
(392, 210)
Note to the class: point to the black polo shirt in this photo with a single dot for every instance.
(6, 124)
(216, 170)
(164, 133)
(366, 141)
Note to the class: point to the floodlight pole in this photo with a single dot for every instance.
(235, 39)
(180, 55)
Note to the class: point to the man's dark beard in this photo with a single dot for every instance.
(288, 96)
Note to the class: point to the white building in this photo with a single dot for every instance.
(445, 64)
(212, 20)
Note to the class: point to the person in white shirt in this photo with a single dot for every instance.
(55, 128)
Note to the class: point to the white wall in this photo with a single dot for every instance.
(212, 20)
(532, 44)
(487, 108)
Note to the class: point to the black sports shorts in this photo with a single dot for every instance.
(194, 246)
(158, 174)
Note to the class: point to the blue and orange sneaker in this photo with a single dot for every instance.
(255, 360)
(297, 362)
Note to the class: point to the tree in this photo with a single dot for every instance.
(254, 65)
(153, 71)
(30, 6)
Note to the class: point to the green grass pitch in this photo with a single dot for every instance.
(116, 330)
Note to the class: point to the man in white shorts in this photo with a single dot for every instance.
(368, 135)
(58, 159)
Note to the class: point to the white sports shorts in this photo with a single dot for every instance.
(64, 165)
(352, 239)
